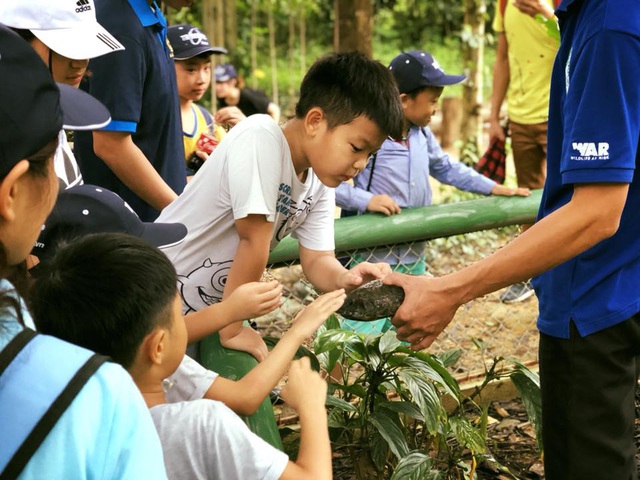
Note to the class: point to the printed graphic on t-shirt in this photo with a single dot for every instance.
(205, 284)
(293, 213)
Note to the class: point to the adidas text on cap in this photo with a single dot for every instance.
(32, 107)
(416, 68)
(68, 27)
(188, 41)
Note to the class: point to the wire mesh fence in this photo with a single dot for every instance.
(482, 329)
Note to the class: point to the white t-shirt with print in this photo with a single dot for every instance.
(204, 439)
(249, 172)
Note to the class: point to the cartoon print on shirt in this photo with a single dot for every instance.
(293, 216)
(205, 284)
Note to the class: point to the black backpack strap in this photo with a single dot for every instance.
(373, 167)
(14, 347)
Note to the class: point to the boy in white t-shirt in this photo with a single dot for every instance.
(264, 182)
(137, 321)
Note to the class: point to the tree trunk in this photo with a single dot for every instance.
(230, 26)
(303, 40)
(254, 41)
(353, 26)
(208, 26)
(272, 53)
(472, 49)
(292, 53)
(451, 121)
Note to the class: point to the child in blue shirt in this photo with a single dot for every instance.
(398, 174)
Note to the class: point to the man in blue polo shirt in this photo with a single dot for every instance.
(139, 155)
(585, 249)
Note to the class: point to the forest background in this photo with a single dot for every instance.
(273, 42)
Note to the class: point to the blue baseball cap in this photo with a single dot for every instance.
(225, 72)
(417, 68)
(86, 209)
(188, 41)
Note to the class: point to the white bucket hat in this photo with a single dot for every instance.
(68, 27)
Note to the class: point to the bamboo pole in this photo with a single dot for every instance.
(423, 223)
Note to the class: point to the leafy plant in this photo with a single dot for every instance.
(388, 409)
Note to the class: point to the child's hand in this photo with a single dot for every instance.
(306, 390)
(509, 192)
(496, 130)
(254, 299)
(229, 116)
(384, 204)
(314, 314)
(247, 340)
(362, 273)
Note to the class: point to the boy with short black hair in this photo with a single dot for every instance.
(264, 182)
(398, 176)
(137, 321)
(192, 58)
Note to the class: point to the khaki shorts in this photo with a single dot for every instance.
(529, 146)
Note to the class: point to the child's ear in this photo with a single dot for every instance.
(314, 120)
(154, 346)
(404, 98)
(10, 188)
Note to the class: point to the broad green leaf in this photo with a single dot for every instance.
(389, 342)
(450, 357)
(426, 396)
(466, 434)
(336, 419)
(332, 340)
(356, 350)
(352, 389)
(301, 352)
(551, 24)
(416, 466)
(389, 426)
(525, 381)
(379, 449)
(526, 371)
(450, 383)
(425, 363)
(340, 404)
(409, 409)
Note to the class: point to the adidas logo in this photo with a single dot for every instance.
(83, 6)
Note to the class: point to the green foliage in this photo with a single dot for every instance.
(389, 406)
(435, 26)
(553, 30)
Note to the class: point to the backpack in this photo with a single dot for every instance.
(25, 367)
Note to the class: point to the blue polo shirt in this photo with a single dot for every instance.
(594, 131)
(138, 86)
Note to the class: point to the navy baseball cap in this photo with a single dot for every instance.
(86, 209)
(225, 72)
(188, 41)
(416, 68)
(33, 109)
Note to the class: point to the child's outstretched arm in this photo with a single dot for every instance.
(504, 191)
(250, 300)
(326, 273)
(249, 262)
(245, 395)
(306, 392)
